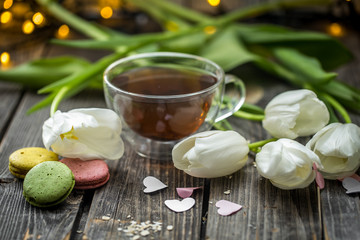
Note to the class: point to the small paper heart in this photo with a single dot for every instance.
(227, 208)
(186, 192)
(355, 176)
(180, 206)
(152, 184)
(351, 185)
(319, 179)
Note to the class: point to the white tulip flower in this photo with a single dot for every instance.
(295, 113)
(338, 147)
(87, 133)
(211, 154)
(287, 164)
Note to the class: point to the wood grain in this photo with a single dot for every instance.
(123, 200)
(19, 219)
(340, 211)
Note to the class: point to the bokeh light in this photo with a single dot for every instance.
(106, 12)
(28, 27)
(63, 31)
(336, 30)
(5, 58)
(210, 30)
(5, 17)
(38, 18)
(8, 4)
(214, 3)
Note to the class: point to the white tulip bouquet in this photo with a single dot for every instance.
(334, 149)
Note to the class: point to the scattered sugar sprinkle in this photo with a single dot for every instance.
(227, 192)
(144, 233)
(105, 218)
(136, 229)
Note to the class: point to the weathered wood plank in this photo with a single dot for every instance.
(10, 95)
(123, 200)
(268, 212)
(341, 211)
(20, 220)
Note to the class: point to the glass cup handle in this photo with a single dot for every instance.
(233, 98)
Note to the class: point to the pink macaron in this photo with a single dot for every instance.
(88, 174)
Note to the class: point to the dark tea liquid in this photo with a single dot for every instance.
(162, 119)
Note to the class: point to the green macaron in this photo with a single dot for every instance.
(48, 184)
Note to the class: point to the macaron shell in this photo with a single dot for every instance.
(48, 184)
(17, 172)
(85, 186)
(22, 160)
(88, 174)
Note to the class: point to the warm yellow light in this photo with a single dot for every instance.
(106, 12)
(5, 17)
(214, 3)
(8, 4)
(336, 30)
(210, 30)
(63, 31)
(5, 58)
(171, 26)
(38, 18)
(28, 27)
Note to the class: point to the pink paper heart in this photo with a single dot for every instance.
(227, 208)
(180, 206)
(355, 176)
(351, 185)
(152, 184)
(319, 179)
(186, 192)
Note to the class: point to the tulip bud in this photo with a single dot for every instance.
(287, 164)
(338, 147)
(295, 113)
(211, 154)
(91, 133)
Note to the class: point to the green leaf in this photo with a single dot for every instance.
(38, 73)
(345, 94)
(328, 50)
(306, 68)
(226, 49)
(187, 44)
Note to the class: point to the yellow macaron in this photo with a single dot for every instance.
(24, 159)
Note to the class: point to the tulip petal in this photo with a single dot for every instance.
(85, 134)
(295, 113)
(211, 154)
(287, 164)
(338, 147)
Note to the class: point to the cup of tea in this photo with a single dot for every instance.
(163, 97)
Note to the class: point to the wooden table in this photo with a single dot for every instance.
(107, 212)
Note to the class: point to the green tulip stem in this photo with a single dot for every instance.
(338, 107)
(59, 96)
(249, 116)
(256, 146)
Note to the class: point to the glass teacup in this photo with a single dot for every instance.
(163, 97)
